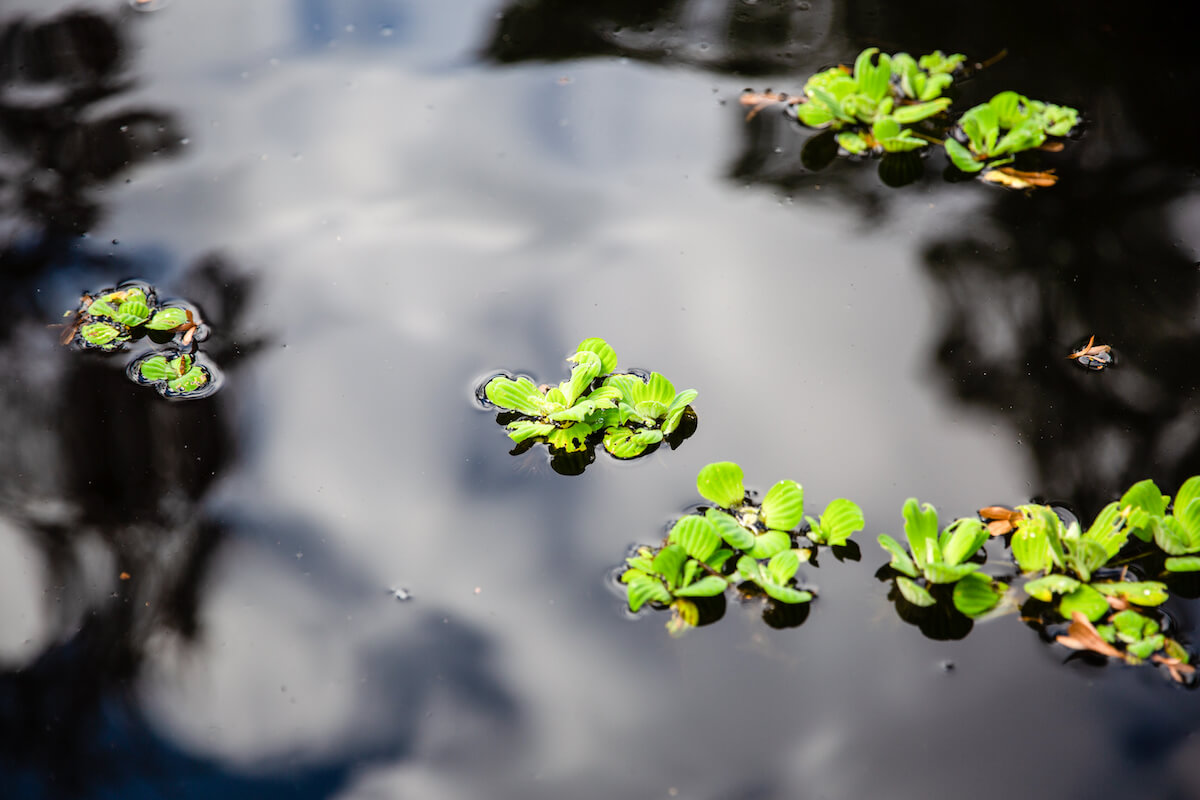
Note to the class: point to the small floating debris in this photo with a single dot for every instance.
(1094, 356)
(400, 593)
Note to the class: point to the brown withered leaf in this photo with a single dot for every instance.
(1081, 635)
(1052, 147)
(1018, 179)
(1177, 668)
(761, 100)
(125, 576)
(1000, 520)
(1091, 349)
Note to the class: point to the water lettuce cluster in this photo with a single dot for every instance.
(628, 412)
(897, 103)
(734, 542)
(109, 320)
(1089, 589)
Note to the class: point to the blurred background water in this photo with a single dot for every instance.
(377, 204)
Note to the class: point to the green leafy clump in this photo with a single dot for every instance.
(941, 559)
(996, 131)
(757, 539)
(871, 105)
(629, 414)
(110, 319)
(895, 104)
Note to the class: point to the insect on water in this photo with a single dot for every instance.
(1093, 356)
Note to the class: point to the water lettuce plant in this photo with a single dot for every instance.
(893, 104)
(941, 559)
(627, 412)
(735, 541)
(110, 319)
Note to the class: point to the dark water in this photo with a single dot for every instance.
(378, 202)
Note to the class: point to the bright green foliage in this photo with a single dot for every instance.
(976, 594)
(721, 483)
(940, 559)
(668, 575)
(1141, 637)
(1144, 510)
(775, 577)
(625, 412)
(837, 524)
(1007, 124)
(869, 105)
(783, 506)
(110, 318)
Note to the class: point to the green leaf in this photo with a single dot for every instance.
(1146, 647)
(940, 572)
(572, 439)
(1031, 545)
(1085, 600)
(1045, 588)
(102, 308)
(669, 561)
(1146, 502)
(523, 429)
(938, 62)
(1170, 535)
(625, 442)
(976, 594)
(708, 586)
(190, 381)
(696, 536)
(133, 312)
(101, 334)
(921, 530)
(587, 367)
(1025, 136)
(783, 506)
(853, 142)
(960, 156)
(155, 368)
(1183, 564)
(166, 319)
(721, 483)
(783, 565)
(1140, 593)
(1187, 493)
(873, 79)
(608, 356)
(518, 395)
(676, 410)
(730, 530)
(814, 115)
(1084, 557)
(900, 560)
(785, 594)
(645, 590)
(1008, 109)
(967, 536)
(908, 114)
(1107, 529)
(769, 543)
(1130, 626)
(914, 593)
(840, 520)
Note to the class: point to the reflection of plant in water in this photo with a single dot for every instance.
(695, 560)
(629, 413)
(111, 318)
(873, 107)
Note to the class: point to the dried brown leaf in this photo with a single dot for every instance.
(1082, 635)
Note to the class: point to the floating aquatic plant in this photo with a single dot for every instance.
(758, 538)
(628, 413)
(941, 559)
(883, 103)
(109, 320)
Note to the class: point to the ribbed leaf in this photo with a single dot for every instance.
(133, 312)
(626, 442)
(976, 594)
(785, 594)
(645, 590)
(1183, 564)
(708, 586)
(1140, 593)
(99, 334)
(669, 561)
(191, 381)
(155, 368)
(696, 536)
(586, 369)
(1147, 502)
(940, 572)
(769, 543)
(1085, 556)
(523, 429)
(900, 560)
(1085, 600)
(1170, 535)
(1187, 493)
(1045, 588)
(659, 390)
(840, 520)
(728, 528)
(608, 356)
(721, 483)
(783, 506)
(914, 593)
(676, 411)
(102, 308)
(1107, 529)
(960, 156)
(518, 395)
(967, 536)
(166, 319)
(1188, 517)
(1038, 534)
(852, 142)
(783, 565)
(921, 530)
(572, 439)
(919, 111)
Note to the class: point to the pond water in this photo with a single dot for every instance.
(379, 203)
